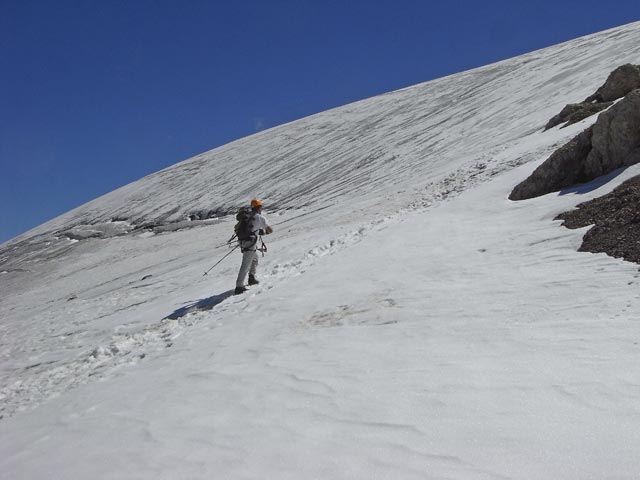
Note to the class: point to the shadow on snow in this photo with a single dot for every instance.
(200, 305)
(593, 184)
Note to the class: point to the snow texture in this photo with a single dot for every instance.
(411, 322)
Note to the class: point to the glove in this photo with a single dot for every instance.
(261, 232)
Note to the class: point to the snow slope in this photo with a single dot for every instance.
(411, 322)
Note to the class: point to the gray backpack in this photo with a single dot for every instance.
(244, 227)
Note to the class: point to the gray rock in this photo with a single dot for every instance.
(621, 81)
(575, 112)
(561, 169)
(612, 142)
(616, 138)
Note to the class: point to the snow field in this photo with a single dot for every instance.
(440, 345)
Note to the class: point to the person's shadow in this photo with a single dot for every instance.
(200, 305)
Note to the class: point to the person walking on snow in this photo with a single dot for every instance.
(248, 231)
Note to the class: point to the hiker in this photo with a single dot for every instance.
(250, 228)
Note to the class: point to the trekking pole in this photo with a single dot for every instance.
(219, 261)
(263, 247)
(227, 243)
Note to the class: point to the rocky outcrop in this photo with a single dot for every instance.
(575, 112)
(620, 82)
(616, 137)
(611, 143)
(616, 220)
(560, 170)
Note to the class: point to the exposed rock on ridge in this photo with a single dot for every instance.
(620, 82)
(612, 142)
(575, 112)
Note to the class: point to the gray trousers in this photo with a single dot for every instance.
(249, 264)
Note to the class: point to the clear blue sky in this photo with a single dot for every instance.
(95, 94)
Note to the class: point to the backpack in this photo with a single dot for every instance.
(244, 227)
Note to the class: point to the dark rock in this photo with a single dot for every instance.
(616, 137)
(575, 112)
(611, 143)
(208, 214)
(620, 82)
(82, 235)
(561, 169)
(616, 220)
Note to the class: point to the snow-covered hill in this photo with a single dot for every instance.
(411, 321)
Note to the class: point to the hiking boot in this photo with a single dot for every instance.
(253, 280)
(239, 290)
